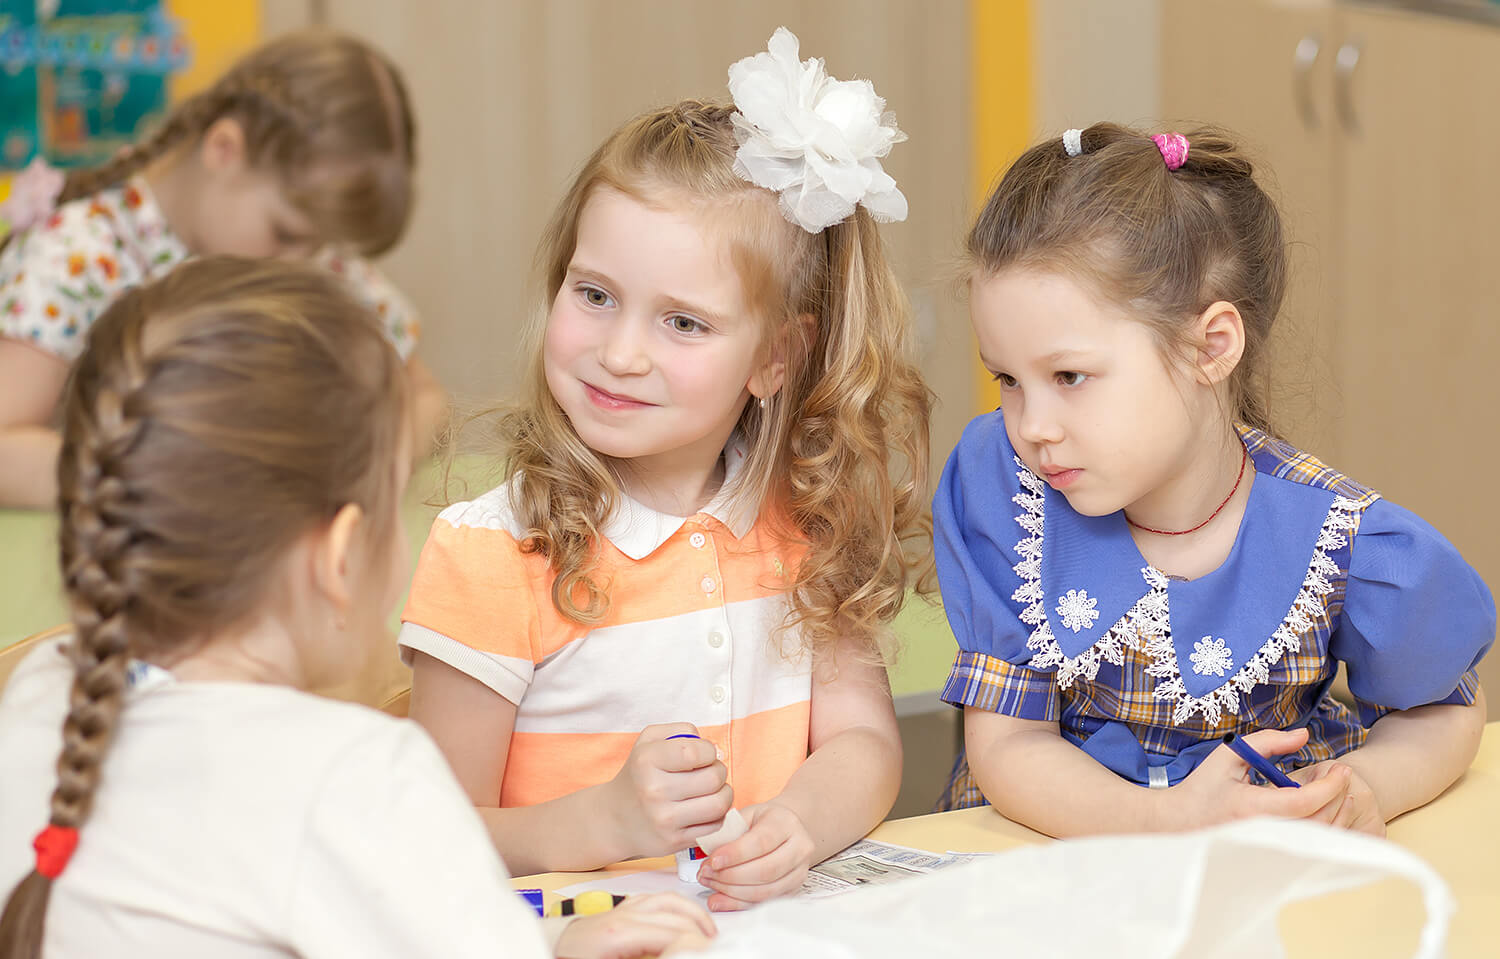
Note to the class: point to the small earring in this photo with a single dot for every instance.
(762, 402)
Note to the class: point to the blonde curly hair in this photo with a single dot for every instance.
(838, 457)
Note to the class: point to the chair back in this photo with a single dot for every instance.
(398, 705)
(11, 656)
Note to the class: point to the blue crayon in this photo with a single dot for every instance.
(1258, 762)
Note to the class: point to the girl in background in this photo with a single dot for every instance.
(304, 149)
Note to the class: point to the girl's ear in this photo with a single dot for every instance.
(1220, 341)
(222, 147)
(332, 559)
(767, 379)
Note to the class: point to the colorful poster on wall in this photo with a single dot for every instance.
(79, 79)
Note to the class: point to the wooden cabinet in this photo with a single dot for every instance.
(1376, 123)
(1260, 69)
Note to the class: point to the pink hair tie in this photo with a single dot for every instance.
(1173, 147)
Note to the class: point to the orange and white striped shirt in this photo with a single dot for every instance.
(691, 635)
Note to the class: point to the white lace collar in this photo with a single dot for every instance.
(1088, 593)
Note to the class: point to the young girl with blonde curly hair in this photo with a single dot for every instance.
(223, 552)
(304, 148)
(673, 606)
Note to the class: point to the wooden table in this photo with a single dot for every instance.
(1458, 834)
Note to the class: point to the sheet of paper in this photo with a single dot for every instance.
(868, 863)
(862, 864)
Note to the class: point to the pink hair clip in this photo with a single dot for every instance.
(33, 195)
(1173, 147)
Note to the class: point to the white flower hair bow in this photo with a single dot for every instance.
(812, 139)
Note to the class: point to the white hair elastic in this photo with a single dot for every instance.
(1073, 142)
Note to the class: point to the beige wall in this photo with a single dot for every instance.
(512, 96)
(1095, 60)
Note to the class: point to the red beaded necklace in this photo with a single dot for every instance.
(1183, 532)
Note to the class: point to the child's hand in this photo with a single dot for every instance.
(670, 791)
(771, 859)
(639, 926)
(1219, 790)
(1357, 810)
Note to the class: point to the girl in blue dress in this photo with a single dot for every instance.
(1132, 561)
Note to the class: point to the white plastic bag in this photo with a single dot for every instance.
(1214, 893)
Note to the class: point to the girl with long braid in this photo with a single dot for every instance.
(222, 551)
(304, 149)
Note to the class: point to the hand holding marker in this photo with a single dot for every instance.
(1258, 762)
(690, 860)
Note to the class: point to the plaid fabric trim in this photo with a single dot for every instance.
(1465, 694)
(1002, 687)
(1283, 461)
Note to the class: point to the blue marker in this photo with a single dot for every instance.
(684, 736)
(533, 899)
(1258, 762)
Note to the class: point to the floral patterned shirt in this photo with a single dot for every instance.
(57, 276)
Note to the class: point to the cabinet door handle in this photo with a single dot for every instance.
(1344, 65)
(1303, 59)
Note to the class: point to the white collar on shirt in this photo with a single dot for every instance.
(637, 530)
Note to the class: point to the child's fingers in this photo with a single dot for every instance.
(759, 840)
(662, 731)
(750, 893)
(703, 815)
(1277, 742)
(769, 867)
(627, 936)
(1346, 814)
(1319, 798)
(1330, 811)
(684, 755)
(658, 748)
(688, 784)
(1316, 773)
(672, 904)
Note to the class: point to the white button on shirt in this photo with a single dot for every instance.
(716, 694)
(697, 539)
(708, 584)
(716, 639)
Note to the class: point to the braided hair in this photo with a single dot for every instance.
(189, 465)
